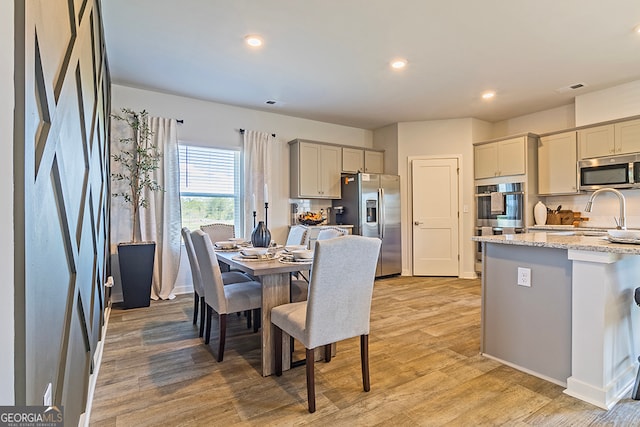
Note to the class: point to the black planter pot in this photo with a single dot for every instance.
(136, 272)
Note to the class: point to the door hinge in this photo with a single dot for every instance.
(458, 257)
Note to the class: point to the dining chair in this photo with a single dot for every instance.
(338, 307)
(223, 299)
(298, 235)
(300, 285)
(218, 231)
(196, 278)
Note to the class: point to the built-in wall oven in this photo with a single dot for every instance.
(499, 210)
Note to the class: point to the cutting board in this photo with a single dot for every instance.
(563, 217)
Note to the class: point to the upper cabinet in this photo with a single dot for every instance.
(557, 164)
(611, 139)
(356, 160)
(315, 170)
(373, 161)
(352, 160)
(500, 158)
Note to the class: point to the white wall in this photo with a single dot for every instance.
(608, 104)
(386, 138)
(7, 331)
(541, 122)
(217, 125)
(438, 138)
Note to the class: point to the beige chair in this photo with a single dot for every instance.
(338, 307)
(218, 232)
(198, 291)
(300, 286)
(223, 299)
(331, 232)
(298, 235)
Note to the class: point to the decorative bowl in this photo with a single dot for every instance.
(310, 221)
(226, 244)
(254, 251)
(302, 254)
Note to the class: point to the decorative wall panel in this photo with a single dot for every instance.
(66, 191)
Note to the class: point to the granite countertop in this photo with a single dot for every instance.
(559, 240)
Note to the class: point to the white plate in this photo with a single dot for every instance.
(267, 257)
(624, 234)
(621, 240)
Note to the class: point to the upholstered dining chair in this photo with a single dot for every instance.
(298, 235)
(331, 232)
(338, 307)
(300, 286)
(223, 299)
(198, 291)
(218, 231)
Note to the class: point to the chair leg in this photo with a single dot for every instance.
(277, 342)
(256, 319)
(327, 353)
(635, 395)
(248, 314)
(203, 315)
(364, 360)
(207, 334)
(222, 335)
(311, 387)
(196, 303)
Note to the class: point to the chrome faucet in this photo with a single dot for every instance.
(622, 222)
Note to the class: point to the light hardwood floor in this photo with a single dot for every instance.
(425, 370)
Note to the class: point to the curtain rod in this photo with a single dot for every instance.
(242, 133)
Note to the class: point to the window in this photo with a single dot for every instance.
(209, 186)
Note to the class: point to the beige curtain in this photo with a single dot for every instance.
(257, 163)
(161, 221)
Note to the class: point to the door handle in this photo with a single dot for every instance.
(417, 222)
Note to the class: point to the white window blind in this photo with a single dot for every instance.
(208, 171)
(209, 186)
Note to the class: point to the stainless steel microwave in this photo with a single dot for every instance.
(610, 171)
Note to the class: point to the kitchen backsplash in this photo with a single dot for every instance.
(605, 208)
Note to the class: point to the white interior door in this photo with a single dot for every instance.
(435, 217)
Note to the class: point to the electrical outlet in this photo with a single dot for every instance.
(524, 276)
(47, 400)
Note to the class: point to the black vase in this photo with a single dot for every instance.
(136, 272)
(261, 236)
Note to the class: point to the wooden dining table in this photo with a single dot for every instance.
(275, 279)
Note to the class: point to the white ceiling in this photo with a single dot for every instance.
(328, 60)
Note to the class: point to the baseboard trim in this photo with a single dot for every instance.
(93, 378)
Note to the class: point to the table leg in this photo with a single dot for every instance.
(275, 292)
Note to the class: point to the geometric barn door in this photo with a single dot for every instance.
(63, 181)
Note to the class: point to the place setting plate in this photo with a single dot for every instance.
(624, 236)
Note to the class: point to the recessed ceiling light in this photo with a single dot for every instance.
(488, 95)
(399, 63)
(253, 40)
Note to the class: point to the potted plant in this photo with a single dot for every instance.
(136, 161)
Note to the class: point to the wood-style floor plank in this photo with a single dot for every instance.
(424, 360)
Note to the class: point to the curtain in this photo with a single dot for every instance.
(257, 161)
(161, 221)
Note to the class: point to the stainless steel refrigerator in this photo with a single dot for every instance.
(371, 203)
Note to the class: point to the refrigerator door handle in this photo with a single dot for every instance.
(381, 213)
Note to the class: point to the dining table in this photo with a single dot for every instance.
(274, 276)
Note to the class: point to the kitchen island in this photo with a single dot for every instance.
(576, 324)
